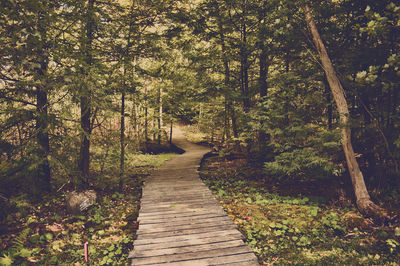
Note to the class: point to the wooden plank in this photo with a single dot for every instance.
(201, 212)
(184, 186)
(182, 197)
(159, 218)
(177, 210)
(165, 204)
(183, 200)
(176, 213)
(185, 231)
(177, 222)
(174, 189)
(190, 167)
(173, 192)
(180, 207)
(189, 218)
(166, 239)
(214, 254)
(176, 175)
(251, 262)
(234, 260)
(188, 179)
(156, 228)
(187, 249)
(188, 242)
(187, 192)
(175, 184)
(179, 197)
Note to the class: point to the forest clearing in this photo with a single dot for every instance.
(292, 108)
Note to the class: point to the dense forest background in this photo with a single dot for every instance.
(89, 87)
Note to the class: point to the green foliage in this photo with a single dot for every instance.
(109, 226)
(6, 260)
(302, 146)
(393, 244)
(301, 163)
(19, 250)
(295, 229)
(113, 253)
(18, 242)
(66, 245)
(333, 221)
(58, 56)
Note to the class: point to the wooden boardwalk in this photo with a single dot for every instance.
(181, 222)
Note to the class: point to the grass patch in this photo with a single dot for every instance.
(295, 229)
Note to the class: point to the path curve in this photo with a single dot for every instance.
(181, 222)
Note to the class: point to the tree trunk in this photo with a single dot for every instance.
(234, 122)
(200, 111)
(287, 97)
(245, 71)
(263, 90)
(84, 158)
(42, 180)
(122, 139)
(228, 101)
(364, 203)
(161, 109)
(20, 141)
(43, 174)
(329, 101)
(135, 113)
(170, 132)
(146, 114)
(154, 117)
(262, 84)
(264, 66)
(103, 162)
(160, 112)
(227, 130)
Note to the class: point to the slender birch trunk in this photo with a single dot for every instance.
(364, 203)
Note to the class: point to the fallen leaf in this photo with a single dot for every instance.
(54, 227)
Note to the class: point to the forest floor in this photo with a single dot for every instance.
(301, 223)
(45, 234)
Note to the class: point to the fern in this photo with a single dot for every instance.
(6, 260)
(19, 241)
